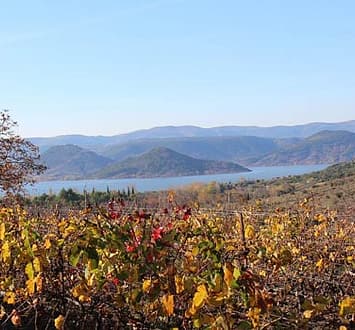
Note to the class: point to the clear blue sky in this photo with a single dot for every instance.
(108, 67)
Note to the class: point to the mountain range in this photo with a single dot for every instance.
(278, 132)
(190, 155)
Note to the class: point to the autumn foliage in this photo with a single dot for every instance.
(177, 268)
(19, 158)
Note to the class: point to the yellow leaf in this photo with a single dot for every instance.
(147, 284)
(6, 253)
(84, 298)
(36, 265)
(254, 316)
(347, 306)
(49, 238)
(249, 232)
(195, 251)
(192, 269)
(228, 275)
(218, 283)
(277, 228)
(39, 282)
(168, 303)
(320, 217)
(59, 322)
(217, 300)
(10, 298)
(29, 271)
(2, 231)
(308, 313)
(220, 323)
(320, 264)
(79, 290)
(68, 231)
(91, 280)
(179, 284)
(191, 311)
(47, 244)
(200, 296)
(30, 285)
(262, 273)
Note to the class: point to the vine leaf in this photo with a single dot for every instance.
(200, 296)
(168, 303)
(59, 322)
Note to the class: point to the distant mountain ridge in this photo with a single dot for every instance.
(235, 149)
(73, 162)
(95, 142)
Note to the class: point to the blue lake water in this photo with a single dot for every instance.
(156, 184)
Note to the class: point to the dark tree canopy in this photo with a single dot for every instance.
(19, 158)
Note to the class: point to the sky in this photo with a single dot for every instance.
(109, 67)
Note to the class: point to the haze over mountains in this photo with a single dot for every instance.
(189, 150)
(295, 131)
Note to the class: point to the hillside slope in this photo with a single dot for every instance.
(234, 149)
(164, 162)
(71, 162)
(327, 147)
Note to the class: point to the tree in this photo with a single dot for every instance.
(19, 158)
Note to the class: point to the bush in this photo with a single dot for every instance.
(176, 268)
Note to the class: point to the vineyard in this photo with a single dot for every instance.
(178, 267)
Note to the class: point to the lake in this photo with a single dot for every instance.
(155, 184)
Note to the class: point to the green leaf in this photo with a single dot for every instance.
(75, 256)
(244, 325)
(197, 323)
(93, 257)
(234, 284)
(123, 276)
(236, 273)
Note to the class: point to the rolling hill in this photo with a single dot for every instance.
(164, 162)
(71, 162)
